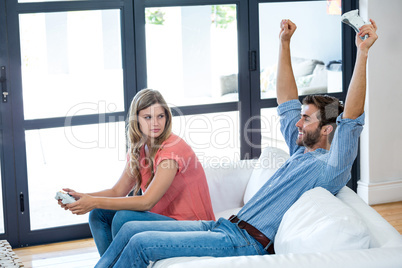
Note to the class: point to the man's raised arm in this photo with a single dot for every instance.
(286, 88)
(354, 103)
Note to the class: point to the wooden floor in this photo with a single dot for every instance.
(72, 254)
(392, 212)
(83, 253)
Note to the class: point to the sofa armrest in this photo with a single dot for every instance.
(227, 183)
(366, 258)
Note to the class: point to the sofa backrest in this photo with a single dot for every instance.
(231, 185)
(227, 183)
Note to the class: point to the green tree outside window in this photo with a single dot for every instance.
(221, 16)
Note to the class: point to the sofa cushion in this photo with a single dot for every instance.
(320, 222)
(319, 76)
(303, 67)
(270, 160)
(229, 84)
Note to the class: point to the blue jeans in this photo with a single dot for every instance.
(105, 224)
(138, 244)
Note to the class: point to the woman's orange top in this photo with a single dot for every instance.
(188, 196)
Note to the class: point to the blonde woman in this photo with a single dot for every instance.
(159, 163)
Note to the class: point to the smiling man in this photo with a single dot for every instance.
(323, 143)
(317, 118)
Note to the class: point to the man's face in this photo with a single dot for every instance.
(308, 126)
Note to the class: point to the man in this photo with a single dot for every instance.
(314, 162)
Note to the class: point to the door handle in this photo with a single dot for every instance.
(252, 60)
(22, 206)
(3, 81)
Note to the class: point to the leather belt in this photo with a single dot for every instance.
(252, 231)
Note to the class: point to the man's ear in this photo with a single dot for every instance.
(326, 130)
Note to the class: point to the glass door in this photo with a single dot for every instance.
(71, 66)
(192, 58)
(316, 47)
(316, 55)
(196, 55)
(70, 104)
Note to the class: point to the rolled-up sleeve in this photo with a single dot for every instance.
(343, 152)
(289, 113)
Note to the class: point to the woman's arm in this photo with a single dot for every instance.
(164, 176)
(122, 188)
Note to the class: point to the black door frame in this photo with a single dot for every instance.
(8, 182)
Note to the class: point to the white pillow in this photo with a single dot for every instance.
(303, 67)
(319, 76)
(270, 160)
(320, 222)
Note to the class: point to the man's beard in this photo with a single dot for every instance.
(309, 139)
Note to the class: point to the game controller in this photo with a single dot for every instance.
(353, 19)
(64, 197)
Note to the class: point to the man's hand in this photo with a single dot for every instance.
(355, 98)
(286, 88)
(370, 30)
(287, 30)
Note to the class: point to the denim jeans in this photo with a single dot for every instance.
(105, 224)
(136, 245)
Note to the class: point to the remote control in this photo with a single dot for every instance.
(64, 197)
(353, 19)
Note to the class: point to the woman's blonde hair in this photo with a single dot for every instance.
(136, 139)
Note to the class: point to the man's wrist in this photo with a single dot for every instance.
(285, 44)
(362, 52)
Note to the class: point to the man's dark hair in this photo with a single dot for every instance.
(329, 107)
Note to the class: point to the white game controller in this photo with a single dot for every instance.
(64, 197)
(353, 19)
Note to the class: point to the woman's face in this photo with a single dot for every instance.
(152, 121)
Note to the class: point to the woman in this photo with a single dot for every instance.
(161, 164)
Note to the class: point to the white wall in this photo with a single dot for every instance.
(381, 142)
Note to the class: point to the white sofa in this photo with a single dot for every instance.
(319, 230)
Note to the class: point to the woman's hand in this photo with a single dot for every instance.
(62, 205)
(84, 204)
(68, 191)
